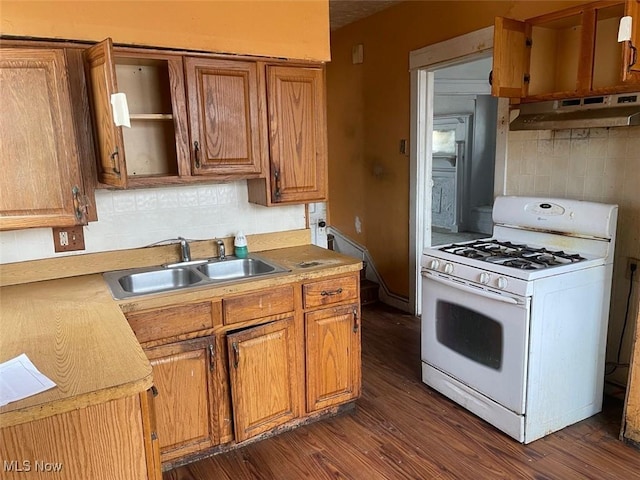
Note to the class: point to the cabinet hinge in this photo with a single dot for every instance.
(528, 42)
(80, 203)
(527, 78)
(236, 354)
(212, 356)
(276, 175)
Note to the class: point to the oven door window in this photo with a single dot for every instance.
(470, 333)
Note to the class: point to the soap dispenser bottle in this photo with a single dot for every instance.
(240, 245)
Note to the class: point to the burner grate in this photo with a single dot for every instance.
(523, 257)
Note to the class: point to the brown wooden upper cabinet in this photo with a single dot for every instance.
(223, 116)
(172, 140)
(297, 137)
(41, 183)
(155, 150)
(569, 53)
(632, 70)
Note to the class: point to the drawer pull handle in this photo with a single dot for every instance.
(154, 391)
(356, 325)
(328, 293)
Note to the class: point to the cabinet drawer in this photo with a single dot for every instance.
(330, 291)
(257, 305)
(173, 321)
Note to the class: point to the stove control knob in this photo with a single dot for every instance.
(502, 283)
(448, 268)
(484, 278)
(434, 264)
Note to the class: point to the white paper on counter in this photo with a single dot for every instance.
(120, 109)
(19, 378)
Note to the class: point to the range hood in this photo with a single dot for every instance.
(589, 112)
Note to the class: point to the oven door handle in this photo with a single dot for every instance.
(474, 290)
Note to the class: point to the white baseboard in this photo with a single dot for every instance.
(346, 246)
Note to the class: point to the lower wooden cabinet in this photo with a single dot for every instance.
(186, 406)
(100, 442)
(264, 377)
(332, 356)
(256, 359)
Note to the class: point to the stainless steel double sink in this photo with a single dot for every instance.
(178, 276)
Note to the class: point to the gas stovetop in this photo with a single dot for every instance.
(514, 255)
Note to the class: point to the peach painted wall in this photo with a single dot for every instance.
(369, 113)
(279, 28)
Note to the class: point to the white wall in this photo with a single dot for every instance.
(135, 218)
(600, 165)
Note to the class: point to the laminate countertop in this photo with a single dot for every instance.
(75, 333)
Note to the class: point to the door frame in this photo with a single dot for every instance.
(422, 63)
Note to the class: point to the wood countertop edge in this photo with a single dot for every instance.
(334, 264)
(69, 404)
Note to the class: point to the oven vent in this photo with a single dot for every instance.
(589, 112)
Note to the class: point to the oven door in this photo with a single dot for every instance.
(476, 336)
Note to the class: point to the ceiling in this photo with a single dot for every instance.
(344, 12)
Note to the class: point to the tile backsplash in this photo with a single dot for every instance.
(135, 218)
(599, 165)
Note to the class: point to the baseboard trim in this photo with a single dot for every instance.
(347, 246)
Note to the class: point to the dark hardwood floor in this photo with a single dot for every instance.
(403, 429)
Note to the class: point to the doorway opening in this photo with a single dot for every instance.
(425, 64)
(463, 153)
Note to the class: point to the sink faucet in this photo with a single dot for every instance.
(185, 251)
(221, 254)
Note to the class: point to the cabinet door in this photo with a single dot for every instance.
(223, 115)
(297, 133)
(183, 375)
(40, 182)
(631, 72)
(511, 55)
(264, 377)
(101, 76)
(333, 356)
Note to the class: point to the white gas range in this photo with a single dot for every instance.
(514, 327)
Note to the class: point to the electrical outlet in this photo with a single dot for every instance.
(68, 239)
(627, 273)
